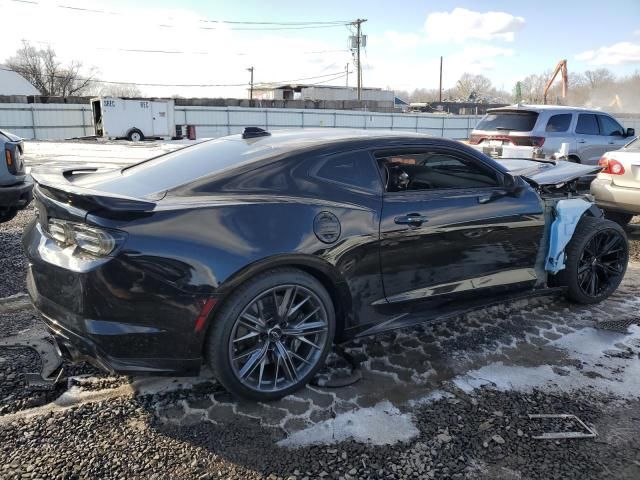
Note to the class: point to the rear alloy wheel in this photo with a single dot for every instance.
(597, 258)
(621, 219)
(272, 335)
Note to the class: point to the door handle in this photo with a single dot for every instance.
(582, 140)
(413, 219)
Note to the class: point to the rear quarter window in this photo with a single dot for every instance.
(351, 168)
(558, 123)
(508, 121)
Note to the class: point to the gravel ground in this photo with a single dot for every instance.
(484, 434)
(633, 232)
(15, 322)
(12, 262)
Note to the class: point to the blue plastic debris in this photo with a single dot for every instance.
(568, 214)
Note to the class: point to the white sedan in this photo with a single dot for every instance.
(617, 186)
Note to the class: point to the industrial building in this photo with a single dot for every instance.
(321, 92)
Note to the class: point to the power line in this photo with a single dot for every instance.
(255, 26)
(175, 52)
(142, 84)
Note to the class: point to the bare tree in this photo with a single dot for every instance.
(598, 78)
(43, 70)
(114, 89)
(473, 87)
(532, 88)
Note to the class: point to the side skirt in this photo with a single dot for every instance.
(419, 316)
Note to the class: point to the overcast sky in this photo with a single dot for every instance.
(504, 40)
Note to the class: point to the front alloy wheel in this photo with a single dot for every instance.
(597, 258)
(602, 263)
(272, 334)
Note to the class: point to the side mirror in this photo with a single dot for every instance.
(631, 132)
(512, 185)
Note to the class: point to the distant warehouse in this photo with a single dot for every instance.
(385, 98)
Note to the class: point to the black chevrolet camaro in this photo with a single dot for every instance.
(255, 253)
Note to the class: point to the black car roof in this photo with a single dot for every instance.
(233, 154)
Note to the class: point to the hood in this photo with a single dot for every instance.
(548, 172)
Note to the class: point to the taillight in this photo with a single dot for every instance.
(475, 139)
(527, 141)
(96, 241)
(611, 166)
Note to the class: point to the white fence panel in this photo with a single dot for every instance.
(350, 120)
(405, 122)
(59, 121)
(381, 121)
(317, 118)
(279, 118)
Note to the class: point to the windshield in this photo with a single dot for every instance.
(516, 121)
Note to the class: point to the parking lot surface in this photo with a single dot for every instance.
(449, 400)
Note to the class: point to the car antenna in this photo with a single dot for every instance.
(253, 132)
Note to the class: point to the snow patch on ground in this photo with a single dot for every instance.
(382, 424)
(609, 364)
(430, 398)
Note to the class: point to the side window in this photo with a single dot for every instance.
(432, 170)
(353, 168)
(559, 123)
(608, 126)
(587, 124)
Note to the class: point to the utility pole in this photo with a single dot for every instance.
(346, 71)
(358, 23)
(250, 69)
(440, 80)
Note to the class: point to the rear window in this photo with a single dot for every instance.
(509, 121)
(189, 164)
(559, 123)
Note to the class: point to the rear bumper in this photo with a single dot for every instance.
(113, 314)
(17, 196)
(616, 198)
(75, 346)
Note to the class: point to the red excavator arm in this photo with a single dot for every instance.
(561, 66)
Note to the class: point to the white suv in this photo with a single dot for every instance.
(589, 133)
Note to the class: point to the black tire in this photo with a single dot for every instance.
(621, 219)
(589, 231)
(135, 135)
(8, 214)
(220, 346)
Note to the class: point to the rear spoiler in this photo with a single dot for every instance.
(54, 183)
